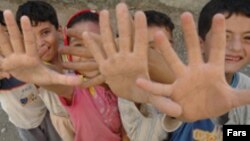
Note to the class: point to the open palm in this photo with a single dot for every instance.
(117, 59)
(21, 59)
(200, 88)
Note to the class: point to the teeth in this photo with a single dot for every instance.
(231, 58)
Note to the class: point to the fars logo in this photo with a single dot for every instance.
(236, 132)
(231, 132)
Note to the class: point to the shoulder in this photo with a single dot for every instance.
(243, 82)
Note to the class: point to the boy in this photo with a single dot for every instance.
(95, 116)
(24, 107)
(144, 122)
(237, 57)
(139, 53)
(48, 34)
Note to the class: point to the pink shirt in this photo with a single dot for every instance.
(94, 114)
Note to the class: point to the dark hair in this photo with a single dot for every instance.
(37, 11)
(83, 15)
(80, 16)
(213, 7)
(2, 22)
(155, 18)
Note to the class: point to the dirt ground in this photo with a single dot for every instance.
(8, 131)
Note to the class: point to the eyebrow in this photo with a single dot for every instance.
(247, 32)
(44, 29)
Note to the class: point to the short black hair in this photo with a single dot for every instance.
(156, 18)
(37, 11)
(213, 7)
(83, 15)
(2, 22)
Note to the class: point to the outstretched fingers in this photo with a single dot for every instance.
(94, 47)
(191, 39)
(74, 33)
(166, 105)
(141, 35)
(76, 51)
(124, 23)
(63, 79)
(28, 36)
(81, 66)
(97, 80)
(6, 48)
(217, 41)
(169, 54)
(108, 41)
(154, 88)
(14, 32)
(240, 97)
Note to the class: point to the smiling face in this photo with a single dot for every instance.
(238, 43)
(47, 37)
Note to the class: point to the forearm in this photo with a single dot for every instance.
(61, 90)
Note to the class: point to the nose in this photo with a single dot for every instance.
(235, 44)
(40, 42)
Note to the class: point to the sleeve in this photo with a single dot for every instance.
(143, 124)
(170, 124)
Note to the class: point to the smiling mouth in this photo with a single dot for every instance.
(233, 58)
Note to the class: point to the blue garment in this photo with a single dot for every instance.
(7, 84)
(185, 131)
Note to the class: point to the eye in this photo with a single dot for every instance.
(77, 45)
(228, 37)
(247, 39)
(45, 33)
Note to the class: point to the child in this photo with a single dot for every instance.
(47, 32)
(24, 107)
(101, 96)
(185, 101)
(145, 123)
(84, 107)
(236, 58)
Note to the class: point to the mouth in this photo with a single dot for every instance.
(46, 51)
(233, 59)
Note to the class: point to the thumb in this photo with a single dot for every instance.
(166, 105)
(241, 97)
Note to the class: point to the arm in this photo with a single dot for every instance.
(17, 49)
(199, 86)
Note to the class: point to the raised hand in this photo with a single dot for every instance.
(122, 62)
(200, 88)
(21, 58)
(86, 63)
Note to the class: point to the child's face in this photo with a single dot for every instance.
(151, 32)
(238, 43)
(47, 37)
(84, 27)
